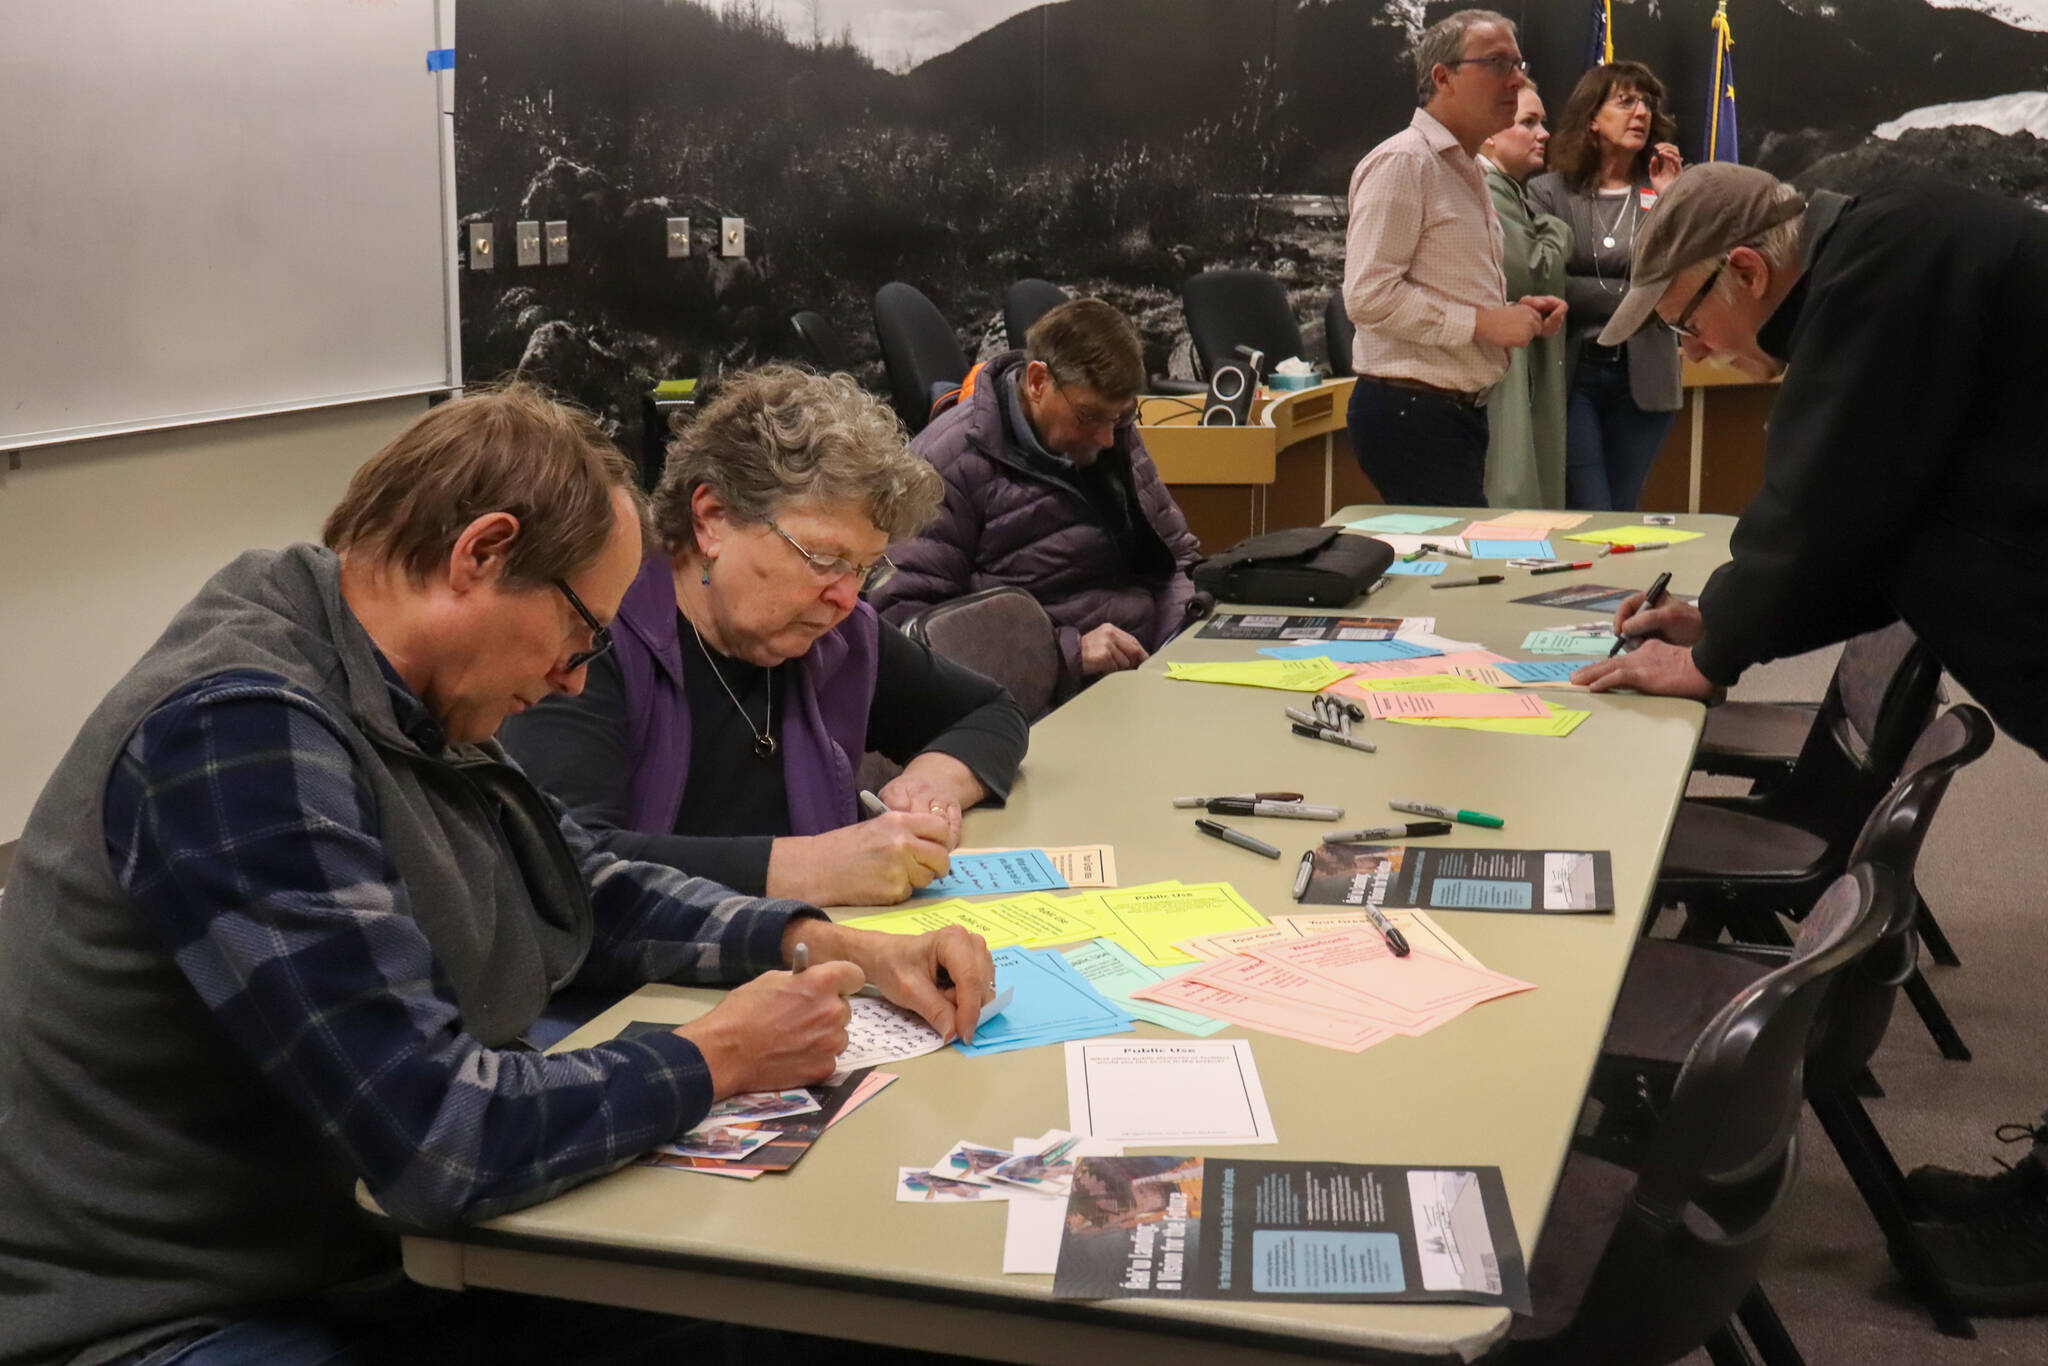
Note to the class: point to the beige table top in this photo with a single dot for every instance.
(826, 1248)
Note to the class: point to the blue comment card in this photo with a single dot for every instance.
(1419, 568)
(1352, 651)
(1326, 1262)
(1541, 670)
(1510, 550)
(1003, 870)
(1051, 1002)
(1403, 523)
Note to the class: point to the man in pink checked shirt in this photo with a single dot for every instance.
(1422, 273)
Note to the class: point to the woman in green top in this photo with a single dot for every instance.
(1525, 417)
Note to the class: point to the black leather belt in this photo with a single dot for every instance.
(1454, 395)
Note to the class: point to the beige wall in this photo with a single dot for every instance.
(102, 541)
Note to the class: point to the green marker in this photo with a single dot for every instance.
(1446, 813)
(1412, 556)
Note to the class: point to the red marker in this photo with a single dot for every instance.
(1632, 549)
(1560, 568)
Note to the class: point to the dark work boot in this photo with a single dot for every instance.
(1996, 1261)
(1949, 1195)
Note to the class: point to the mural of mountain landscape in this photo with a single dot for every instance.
(1113, 146)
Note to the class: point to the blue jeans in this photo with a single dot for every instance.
(1610, 444)
(1419, 448)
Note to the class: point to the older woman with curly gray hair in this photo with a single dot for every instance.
(722, 731)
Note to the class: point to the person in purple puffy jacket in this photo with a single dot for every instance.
(1049, 489)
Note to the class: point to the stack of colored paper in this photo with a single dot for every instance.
(1353, 651)
(1051, 1002)
(1401, 523)
(1538, 520)
(1344, 989)
(1535, 717)
(1114, 972)
(1635, 535)
(1288, 675)
(1001, 870)
(1034, 921)
(1551, 642)
(1148, 921)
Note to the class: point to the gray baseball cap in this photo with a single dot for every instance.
(1710, 209)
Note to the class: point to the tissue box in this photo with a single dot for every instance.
(1289, 383)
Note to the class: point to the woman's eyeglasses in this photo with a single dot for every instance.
(829, 567)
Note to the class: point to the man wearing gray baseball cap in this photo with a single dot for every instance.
(1905, 478)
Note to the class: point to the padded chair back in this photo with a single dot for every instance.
(1227, 309)
(1338, 333)
(1882, 696)
(1026, 302)
(819, 341)
(1693, 1232)
(1000, 633)
(1854, 1023)
(919, 348)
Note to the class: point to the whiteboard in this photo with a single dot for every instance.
(219, 208)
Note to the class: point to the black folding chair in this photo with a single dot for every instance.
(1227, 309)
(1673, 988)
(1646, 1264)
(922, 354)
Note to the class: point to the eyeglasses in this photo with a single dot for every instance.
(1682, 324)
(1091, 417)
(1502, 67)
(1648, 102)
(871, 575)
(600, 634)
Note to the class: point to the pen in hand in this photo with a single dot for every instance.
(872, 804)
(1650, 600)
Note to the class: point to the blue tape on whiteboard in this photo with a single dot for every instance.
(441, 59)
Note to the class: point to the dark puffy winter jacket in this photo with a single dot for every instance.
(1012, 517)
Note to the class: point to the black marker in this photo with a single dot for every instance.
(1220, 831)
(1650, 599)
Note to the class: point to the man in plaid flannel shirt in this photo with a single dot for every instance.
(284, 912)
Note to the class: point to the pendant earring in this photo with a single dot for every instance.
(705, 579)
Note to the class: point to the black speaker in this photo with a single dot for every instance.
(1232, 388)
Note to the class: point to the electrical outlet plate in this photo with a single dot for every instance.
(482, 237)
(557, 233)
(526, 240)
(732, 237)
(678, 238)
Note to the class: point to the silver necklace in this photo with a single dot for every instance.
(1625, 209)
(764, 741)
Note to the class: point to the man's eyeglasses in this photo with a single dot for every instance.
(1502, 67)
(600, 634)
(1682, 324)
(1091, 417)
(830, 567)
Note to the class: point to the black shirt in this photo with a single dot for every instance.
(736, 803)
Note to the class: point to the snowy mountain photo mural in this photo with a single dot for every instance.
(1113, 146)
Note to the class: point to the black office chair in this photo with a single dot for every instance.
(1646, 1265)
(1672, 988)
(1338, 332)
(1001, 633)
(820, 342)
(1025, 303)
(1227, 309)
(920, 350)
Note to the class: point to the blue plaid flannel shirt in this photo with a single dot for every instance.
(236, 819)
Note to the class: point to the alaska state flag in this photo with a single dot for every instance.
(1600, 46)
(1721, 140)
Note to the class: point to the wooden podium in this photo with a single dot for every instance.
(1291, 466)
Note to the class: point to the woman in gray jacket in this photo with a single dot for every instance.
(1610, 158)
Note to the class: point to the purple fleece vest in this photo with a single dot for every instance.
(824, 718)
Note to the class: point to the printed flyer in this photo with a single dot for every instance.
(1539, 881)
(1239, 1229)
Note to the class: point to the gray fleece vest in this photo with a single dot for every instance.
(148, 1173)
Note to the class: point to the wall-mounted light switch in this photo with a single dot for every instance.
(732, 237)
(557, 233)
(481, 256)
(526, 241)
(678, 238)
